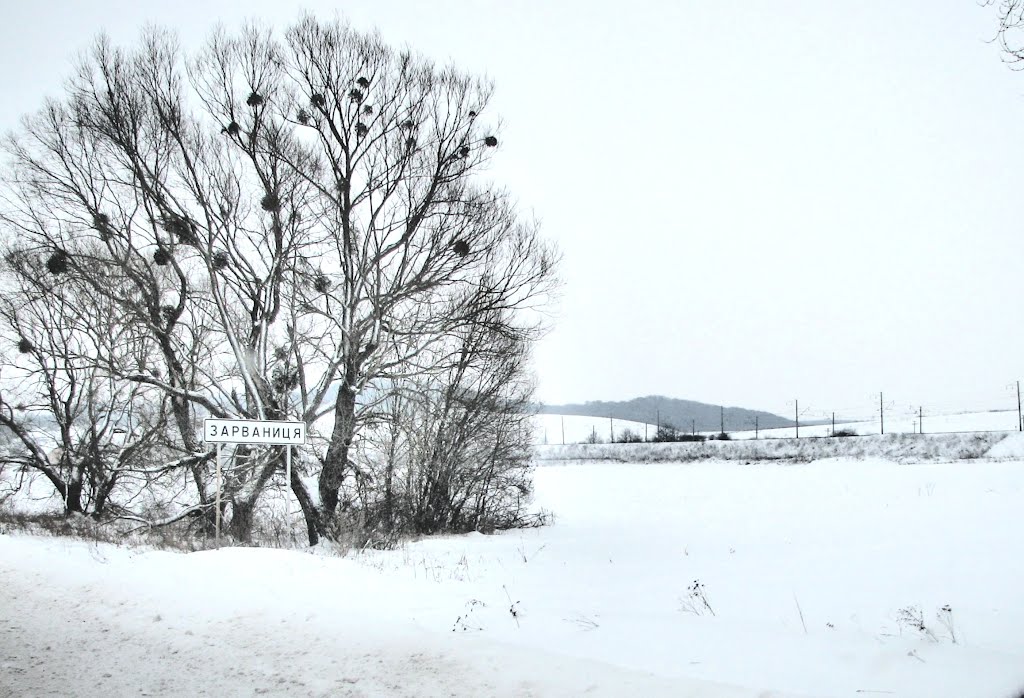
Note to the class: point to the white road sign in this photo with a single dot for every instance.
(253, 431)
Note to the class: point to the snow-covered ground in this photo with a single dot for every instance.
(807, 570)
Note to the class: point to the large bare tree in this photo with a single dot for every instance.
(294, 221)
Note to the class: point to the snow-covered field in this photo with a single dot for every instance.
(904, 422)
(551, 429)
(548, 428)
(899, 448)
(811, 573)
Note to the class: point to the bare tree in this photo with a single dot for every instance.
(410, 224)
(123, 162)
(453, 451)
(83, 431)
(73, 203)
(400, 223)
(293, 222)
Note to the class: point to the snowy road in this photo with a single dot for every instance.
(74, 621)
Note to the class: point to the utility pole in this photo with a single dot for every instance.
(833, 424)
(693, 427)
(1020, 420)
(881, 412)
(611, 430)
(563, 429)
(796, 413)
(920, 418)
(657, 417)
(645, 430)
(755, 427)
(723, 419)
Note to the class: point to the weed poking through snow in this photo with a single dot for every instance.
(583, 622)
(945, 616)
(522, 551)
(465, 622)
(513, 606)
(912, 617)
(800, 611)
(696, 601)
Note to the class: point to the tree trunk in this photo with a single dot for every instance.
(314, 523)
(336, 460)
(102, 495)
(73, 497)
(209, 515)
(389, 494)
(242, 515)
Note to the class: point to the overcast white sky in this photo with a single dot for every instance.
(757, 201)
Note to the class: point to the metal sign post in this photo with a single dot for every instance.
(220, 449)
(254, 432)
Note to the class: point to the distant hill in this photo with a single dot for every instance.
(681, 414)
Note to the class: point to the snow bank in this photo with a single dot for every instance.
(1010, 447)
(904, 448)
